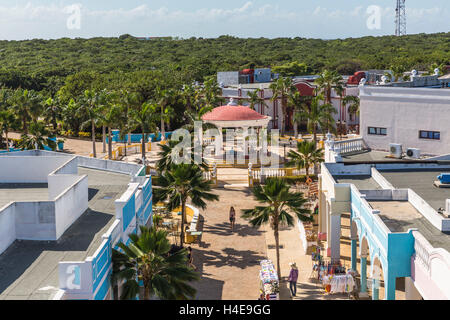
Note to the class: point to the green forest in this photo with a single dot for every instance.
(86, 87)
(44, 64)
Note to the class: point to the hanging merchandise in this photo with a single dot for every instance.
(269, 285)
(343, 283)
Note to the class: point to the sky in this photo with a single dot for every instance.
(325, 19)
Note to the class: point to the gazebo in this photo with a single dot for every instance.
(236, 117)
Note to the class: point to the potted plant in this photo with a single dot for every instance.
(60, 143)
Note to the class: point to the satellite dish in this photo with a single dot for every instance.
(414, 73)
(436, 71)
(221, 84)
(362, 82)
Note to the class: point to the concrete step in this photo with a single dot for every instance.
(235, 186)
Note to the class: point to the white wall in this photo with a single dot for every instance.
(70, 205)
(35, 220)
(29, 169)
(7, 227)
(403, 112)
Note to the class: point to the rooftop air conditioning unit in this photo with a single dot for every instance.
(395, 150)
(413, 153)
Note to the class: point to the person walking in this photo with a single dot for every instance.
(232, 218)
(190, 258)
(293, 276)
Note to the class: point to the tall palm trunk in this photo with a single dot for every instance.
(25, 124)
(94, 151)
(315, 146)
(183, 218)
(7, 141)
(277, 243)
(143, 146)
(283, 115)
(146, 292)
(295, 129)
(104, 138)
(163, 131)
(109, 143)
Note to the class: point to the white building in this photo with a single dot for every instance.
(273, 108)
(72, 211)
(414, 117)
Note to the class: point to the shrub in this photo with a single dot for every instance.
(84, 134)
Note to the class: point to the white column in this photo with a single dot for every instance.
(335, 237)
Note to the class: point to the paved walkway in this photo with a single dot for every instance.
(229, 261)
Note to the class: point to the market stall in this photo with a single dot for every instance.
(269, 285)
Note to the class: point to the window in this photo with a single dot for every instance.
(377, 131)
(434, 135)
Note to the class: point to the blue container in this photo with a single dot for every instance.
(444, 177)
(60, 146)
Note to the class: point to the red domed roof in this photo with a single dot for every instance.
(232, 113)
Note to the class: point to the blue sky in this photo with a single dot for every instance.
(327, 19)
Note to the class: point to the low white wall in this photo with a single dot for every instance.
(386, 195)
(428, 212)
(29, 169)
(70, 205)
(382, 181)
(35, 220)
(115, 166)
(7, 227)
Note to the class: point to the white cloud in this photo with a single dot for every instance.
(250, 19)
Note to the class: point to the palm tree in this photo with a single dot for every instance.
(318, 115)
(89, 105)
(110, 118)
(165, 155)
(181, 183)
(52, 111)
(20, 102)
(353, 104)
(305, 156)
(278, 201)
(8, 122)
(254, 99)
(148, 259)
(282, 89)
(165, 99)
(327, 81)
(298, 103)
(144, 118)
(38, 138)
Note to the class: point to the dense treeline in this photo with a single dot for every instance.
(44, 64)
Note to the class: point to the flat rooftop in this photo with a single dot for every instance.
(362, 182)
(421, 181)
(22, 192)
(400, 216)
(370, 156)
(29, 269)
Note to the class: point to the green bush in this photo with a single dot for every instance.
(84, 134)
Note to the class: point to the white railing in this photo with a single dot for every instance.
(349, 146)
(423, 250)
